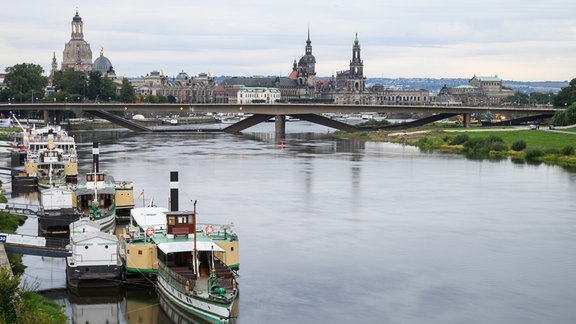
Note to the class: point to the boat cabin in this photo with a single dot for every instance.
(180, 224)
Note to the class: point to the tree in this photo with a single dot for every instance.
(25, 82)
(565, 117)
(71, 83)
(107, 90)
(127, 93)
(566, 96)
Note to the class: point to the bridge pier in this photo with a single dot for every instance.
(466, 120)
(280, 129)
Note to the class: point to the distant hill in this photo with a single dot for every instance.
(434, 85)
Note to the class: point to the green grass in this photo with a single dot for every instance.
(533, 138)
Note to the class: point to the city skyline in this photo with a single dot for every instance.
(516, 40)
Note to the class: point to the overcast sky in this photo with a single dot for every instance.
(522, 40)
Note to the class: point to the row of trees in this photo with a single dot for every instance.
(25, 83)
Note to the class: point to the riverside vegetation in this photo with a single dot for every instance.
(521, 145)
(22, 305)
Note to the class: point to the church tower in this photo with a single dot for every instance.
(77, 53)
(307, 68)
(357, 68)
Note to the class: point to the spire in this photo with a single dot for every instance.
(308, 44)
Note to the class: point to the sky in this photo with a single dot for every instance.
(521, 40)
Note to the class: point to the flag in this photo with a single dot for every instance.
(141, 194)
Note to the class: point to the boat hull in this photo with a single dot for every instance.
(93, 275)
(209, 311)
(57, 221)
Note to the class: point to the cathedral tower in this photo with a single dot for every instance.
(77, 53)
(307, 67)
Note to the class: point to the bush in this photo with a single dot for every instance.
(552, 150)
(459, 139)
(532, 154)
(498, 146)
(518, 145)
(8, 294)
(567, 150)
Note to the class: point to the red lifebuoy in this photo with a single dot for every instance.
(209, 229)
(187, 285)
(150, 231)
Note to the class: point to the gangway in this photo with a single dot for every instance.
(54, 247)
(20, 209)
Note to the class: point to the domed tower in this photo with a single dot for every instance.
(307, 66)
(103, 65)
(77, 53)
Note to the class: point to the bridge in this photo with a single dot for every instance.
(54, 247)
(309, 112)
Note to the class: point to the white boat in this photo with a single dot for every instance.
(56, 210)
(50, 155)
(95, 260)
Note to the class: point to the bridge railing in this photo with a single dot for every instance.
(20, 209)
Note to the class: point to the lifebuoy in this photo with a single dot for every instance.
(209, 229)
(122, 184)
(150, 231)
(187, 285)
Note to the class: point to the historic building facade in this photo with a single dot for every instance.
(480, 90)
(184, 89)
(350, 87)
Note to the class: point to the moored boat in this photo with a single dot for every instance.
(95, 196)
(191, 261)
(50, 155)
(95, 260)
(57, 211)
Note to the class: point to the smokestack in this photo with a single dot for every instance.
(95, 153)
(173, 190)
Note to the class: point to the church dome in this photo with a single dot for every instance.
(307, 59)
(102, 64)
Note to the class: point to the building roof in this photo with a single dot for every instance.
(102, 64)
(488, 78)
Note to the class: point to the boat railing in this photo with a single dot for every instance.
(224, 274)
(180, 277)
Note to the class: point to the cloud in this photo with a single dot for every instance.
(521, 39)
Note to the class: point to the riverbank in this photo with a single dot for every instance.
(554, 147)
(28, 307)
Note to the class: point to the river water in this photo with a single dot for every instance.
(340, 231)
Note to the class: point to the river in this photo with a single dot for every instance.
(340, 231)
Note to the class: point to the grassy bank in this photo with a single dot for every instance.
(531, 146)
(19, 305)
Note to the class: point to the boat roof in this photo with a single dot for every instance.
(149, 216)
(184, 246)
(89, 236)
(86, 191)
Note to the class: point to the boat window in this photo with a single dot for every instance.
(86, 247)
(171, 221)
